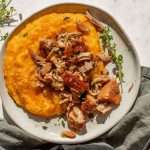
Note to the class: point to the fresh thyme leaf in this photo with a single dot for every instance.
(6, 14)
(63, 123)
(3, 36)
(106, 37)
(110, 46)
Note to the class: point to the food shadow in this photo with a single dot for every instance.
(38, 119)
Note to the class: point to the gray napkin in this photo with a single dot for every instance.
(131, 133)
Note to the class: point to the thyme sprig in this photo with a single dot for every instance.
(6, 14)
(110, 46)
(3, 36)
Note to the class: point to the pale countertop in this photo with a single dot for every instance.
(133, 15)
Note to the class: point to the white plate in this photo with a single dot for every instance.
(131, 69)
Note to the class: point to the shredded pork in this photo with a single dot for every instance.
(64, 65)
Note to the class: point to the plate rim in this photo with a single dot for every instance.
(65, 140)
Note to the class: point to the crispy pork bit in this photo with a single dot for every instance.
(64, 38)
(95, 89)
(65, 98)
(76, 118)
(77, 73)
(61, 40)
(56, 75)
(46, 45)
(79, 47)
(68, 50)
(84, 56)
(75, 48)
(39, 85)
(104, 108)
(69, 134)
(57, 62)
(89, 105)
(58, 86)
(101, 79)
(56, 80)
(38, 60)
(110, 93)
(98, 24)
(74, 82)
(105, 58)
(86, 67)
(53, 51)
(97, 84)
(47, 78)
(82, 28)
(45, 68)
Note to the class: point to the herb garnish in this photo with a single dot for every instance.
(63, 123)
(110, 46)
(3, 36)
(6, 14)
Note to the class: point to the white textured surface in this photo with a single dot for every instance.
(133, 15)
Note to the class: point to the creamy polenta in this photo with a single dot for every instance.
(19, 68)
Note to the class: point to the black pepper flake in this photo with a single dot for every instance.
(25, 34)
(66, 18)
(45, 127)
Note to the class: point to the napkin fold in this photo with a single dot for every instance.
(131, 133)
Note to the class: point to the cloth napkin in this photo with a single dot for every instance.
(131, 133)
